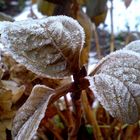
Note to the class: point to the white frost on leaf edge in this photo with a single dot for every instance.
(38, 27)
(133, 46)
(119, 52)
(38, 23)
(130, 119)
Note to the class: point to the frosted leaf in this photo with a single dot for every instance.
(50, 46)
(29, 116)
(116, 84)
(133, 46)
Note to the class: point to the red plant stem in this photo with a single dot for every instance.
(69, 115)
(53, 129)
(91, 116)
(71, 87)
(76, 101)
(80, 83)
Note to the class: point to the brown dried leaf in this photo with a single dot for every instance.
(10, 93)
(116, 85)
(29, 116)
(16, 91)
(5, 104)
(8, 60)
(20, 74)
(4, 124)
(49, 47)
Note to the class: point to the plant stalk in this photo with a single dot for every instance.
(112, 47)
(91, 117)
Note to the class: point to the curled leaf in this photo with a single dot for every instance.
(49, 47)
(29, 116)
(116, 84)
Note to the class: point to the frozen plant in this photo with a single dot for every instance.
(51, 47)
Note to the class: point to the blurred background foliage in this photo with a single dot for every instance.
(98, 43)
(12, 7)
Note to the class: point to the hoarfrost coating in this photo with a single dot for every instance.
(46, 45)
(116, 84)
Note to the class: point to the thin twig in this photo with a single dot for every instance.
(53, 129)
(98, 50)
(62, 117)
(112, 126)
(112, 47)
(69, 115)
(71, 87)
(78, 116)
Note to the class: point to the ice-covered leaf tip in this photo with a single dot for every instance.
(116, 84)
(49, 46)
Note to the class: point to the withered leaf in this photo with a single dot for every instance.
(5, 104)
(20, 74)
(4, 124)
(49, 47)
(116, 84)
(29, 116)
(15, 90)
(10, 93)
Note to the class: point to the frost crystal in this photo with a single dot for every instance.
(47, 46)
(116, 85)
